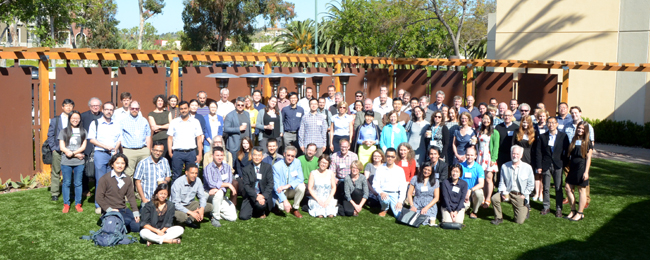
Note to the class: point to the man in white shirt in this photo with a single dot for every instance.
(224, 106)
(390, 183)
(304, 102)
(184, 133)
(517, 182)
(383, 90)
(384, 106)
(329, 101)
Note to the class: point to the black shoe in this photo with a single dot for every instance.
(55, 198)
(497, 221)
(189, 223)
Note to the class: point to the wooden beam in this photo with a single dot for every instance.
(44, 102)
(337, 81)
(391, 80)
(469, 84)
(268, 89)
(174, 78)
(564, 93)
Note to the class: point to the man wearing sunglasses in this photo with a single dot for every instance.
(136, 137)
(358, 96)
(237, 125)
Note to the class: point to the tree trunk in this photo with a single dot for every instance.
(141, 25)
(73, 39)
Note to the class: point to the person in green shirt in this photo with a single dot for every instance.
(308, 161)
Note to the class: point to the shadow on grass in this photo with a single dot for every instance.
(623, 237)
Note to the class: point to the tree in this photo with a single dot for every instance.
(103, 26)
(298, 38)
(209, 23)
(148, 8)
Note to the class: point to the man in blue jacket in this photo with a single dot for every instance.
(288, 182)
(56, 125)
(237, 124)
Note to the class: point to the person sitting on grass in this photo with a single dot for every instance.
(454, 190)
(288, 183)
(322, 187)
(424, 193)
(113, 187)
(356, 191)
(390, 183)
(157, 218)
(184, 191)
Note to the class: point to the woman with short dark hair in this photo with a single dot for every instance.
(453, 193)
(424, 193)
(72, 141)
(158, 217)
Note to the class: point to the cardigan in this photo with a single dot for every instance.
(149, 215)
(453, 201)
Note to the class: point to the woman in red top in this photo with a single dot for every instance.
(406, 160)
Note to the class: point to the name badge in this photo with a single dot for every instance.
(551, 143)
(578, 142)
(510, 133)
(272, 115)
(294, 173)
(526, 137)
(455, 189)
(437, 175)
(319, 123)
(424, 188)
(541, 131)
(376, 122)
(405, 164)
(259, 176)
(224, 177)
(401, 122)
(396, 130)
(560, 127)
(298, 114)
(432, 142)
(468, 174)
(343, 166)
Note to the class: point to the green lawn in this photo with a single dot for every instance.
(33, 227)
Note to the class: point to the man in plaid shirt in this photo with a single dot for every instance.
(313, 129)
(152, 171)
(340, 165)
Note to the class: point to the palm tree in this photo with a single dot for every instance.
(299, 38)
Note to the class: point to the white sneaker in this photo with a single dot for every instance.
(432, 222)
(535, 198)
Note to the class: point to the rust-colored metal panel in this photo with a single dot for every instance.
(16, 157)
(354, 84)
(326, 81)
(239, 87)
(81, 84)
(289, 83)
(497, 85)
(413, 81)
(194, 80)
(377, 78)
(143, 83)
(535, 88)
(450, 82)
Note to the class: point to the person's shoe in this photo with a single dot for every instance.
(66, 208)
(355, 214)
(263, 216)
(528, 214)
(587, 205)
(277, 211)
(496, 221)
(535, 198)
(472, 215)
(79, 208)
(215, 222)
(565, 201)
(544, 211)
(540, 199)
(383, 213)
(558, 213)
(296, 213)
(55, 198)
(190, 224)
(98, 210)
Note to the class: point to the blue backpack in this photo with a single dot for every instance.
(112, 233)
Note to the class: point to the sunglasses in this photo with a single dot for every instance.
(135, 108)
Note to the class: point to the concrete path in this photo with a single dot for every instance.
(622, 153)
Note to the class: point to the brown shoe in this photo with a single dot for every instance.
(296, 213)
(587, 205)
(565, 201)
(383, 213)
(544, 211)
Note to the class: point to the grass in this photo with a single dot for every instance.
(614, 228)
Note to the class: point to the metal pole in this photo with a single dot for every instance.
(316, 21)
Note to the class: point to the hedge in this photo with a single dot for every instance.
(626, 133)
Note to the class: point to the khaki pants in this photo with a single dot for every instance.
(446, 216)
(182, 216)
(134, 156)
(222, 208)
(297, 194)
(476, 199)
(55, 186)
(518, 205)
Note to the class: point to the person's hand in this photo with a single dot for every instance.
(160, 232)
(384, 196)
(287, 206)
(398, 206)
(200, 212)
(332, 147)
(414, 209)
(503, 197)
(279, 190)
(467, 196)
(198, 158)
(193, 214)
(453, 216)
(327, 203)
(461, 158)
(79, 156)
(539, 170)
(154, 128)
(260, 199)
(212, 192)
(586, 176)
(522, 196)
(242, 128)
(144, 200)
(424, 210)
(358, 208)
(137, 219)
(233, 191)
(69, 154)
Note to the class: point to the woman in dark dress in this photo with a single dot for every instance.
(159, 120)
(579, 153)
(244, 158)
(439, 134)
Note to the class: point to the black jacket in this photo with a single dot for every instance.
(505, 141)
(442, 169)
(249, 177)
(150, 216)
(354, 146)
(545, 157)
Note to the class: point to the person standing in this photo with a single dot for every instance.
(393, 134)
(551, 153)
(471, 108)
(563, 117)
(488, 152)
(270, 123)
(283, 98)
(159, 120)
(203, 109)
(338, 97)
(580, 152)
(252, 113)
(57, 124)
(570, 130)
(390, 184)
(439, 135)
(257, 188)
(313, 129)
(475, 177)
(225, 106)
(514, 108)
(105, 136)
(366, 137)
(463, 138)
(406, 160)
(367, 109)
(402, 117)
(384, 107)
(218, 180)
(358, 96)
(292, 119)
(416, 131)
(257, 100)
(213, 127)
(304, 102)
(72, 142)
(458, 105)
(288, 182)
(517, 182)
(237, 126)
(94, 112)
(506, 131)
(124, 111)
(322, 187)
(151, 172)
(173, 106)
(136, 137)
(525, 137)
(113, 188)
(438, 105)
(183, 136)
(342, 127)
(438, 166)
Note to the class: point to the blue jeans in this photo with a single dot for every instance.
(180, 160)
(129, 220)
(101, 167)
(391, 202)
(67, 172)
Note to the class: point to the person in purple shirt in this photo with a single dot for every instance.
(218, 180)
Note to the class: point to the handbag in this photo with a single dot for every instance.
(411, 218)
(451, 225)
(89, 166)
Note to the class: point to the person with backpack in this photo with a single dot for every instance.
(111, 190)
(56, 125)
(158, 217)
(72, 142)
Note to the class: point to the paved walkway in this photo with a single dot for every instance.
(622, 153)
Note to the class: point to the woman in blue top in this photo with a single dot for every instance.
(341, 127)
(214, 125)
(393, 134)
(463, 137)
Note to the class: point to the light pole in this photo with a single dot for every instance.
(316, 21)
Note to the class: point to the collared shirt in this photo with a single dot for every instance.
(120, 113)
(272, 159)
(377, 103)
(108, 133)
(223, 108)
(184, 133)
(341, 163)
(203, 111)
(551, 140)
(259, 106)
(64, 120)
(304, 103)
(284, 174)
(291, 118)
(367, 132)
(216, 176)
(150, 173)
(383, 109)
(390, 180)
(329, 101)
(283, 103)
(135, 131)
(472, 174)
(515, 176)
(313, 129)
(326, 113)
(118, 178)
(562, 122)
(434, 106)
(570, 130)
(183, 193)
(342, 124)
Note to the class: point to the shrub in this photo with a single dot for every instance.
(44, 178)
(626, 133)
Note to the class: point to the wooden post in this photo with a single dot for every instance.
(564, 93)
(391, 81)
(174, 75)
(268, 89)
(469, 83)
(337, 81)
(44, 105)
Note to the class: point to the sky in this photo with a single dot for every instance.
(171, 19)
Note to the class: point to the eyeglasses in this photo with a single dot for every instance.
(525, 110)
(135, 108)
(157, 151)
(437, 116)
(391, 156)
(94, 105)
(108, 109)
(240, 105)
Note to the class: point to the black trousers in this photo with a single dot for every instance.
(250, 207)
(346, 208)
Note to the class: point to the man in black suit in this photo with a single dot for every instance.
(439, 167)
(506, 130)
(552, 147)
(257, 183)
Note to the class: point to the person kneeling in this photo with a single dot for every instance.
(288, 182)
(184, 191)
(454, 191)
(157, 218)
(111, 190)
(257, 186)
(218, 180)
(518, 182)
(322, 187)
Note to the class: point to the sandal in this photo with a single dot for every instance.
(176, 241)
(582, 216)
(486, 204)
(571, 215)
(148, 243)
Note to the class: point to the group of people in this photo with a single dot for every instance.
(192, 159)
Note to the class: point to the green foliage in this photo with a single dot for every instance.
(626, 133)
(267, 48)
(152, 7)
(103, 26)
(298, 38)
(209, 23)
(5, 185)
(24, 183)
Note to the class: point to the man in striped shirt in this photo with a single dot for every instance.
(313, 129)
(151, 171)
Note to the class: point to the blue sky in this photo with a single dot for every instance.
(171, 19)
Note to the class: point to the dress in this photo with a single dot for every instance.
(484, 157)
(424, 193)
(462, 142)
(323, 188)
(453, 127)
(415, 137)
(577, 167)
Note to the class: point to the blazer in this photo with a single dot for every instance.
(545, 158)
(231, 127)
(249, 177)
(525, 178)
(150, 216)
(209, 132)
(55, 128)
(505, 141)
(442, 170)
(355, 138)
(361, 117)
